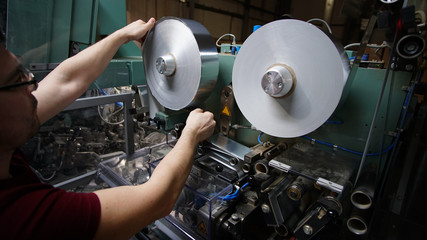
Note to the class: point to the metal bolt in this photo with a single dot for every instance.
(280, 85)
(233, 161)
(308, 230)
(161, 65)
(235, 216)
(265, 208)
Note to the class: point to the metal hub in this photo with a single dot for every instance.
(166, 64)
(278, 81)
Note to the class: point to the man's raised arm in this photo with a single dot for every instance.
(73, 76)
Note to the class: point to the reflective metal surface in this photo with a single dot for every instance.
(181, 62)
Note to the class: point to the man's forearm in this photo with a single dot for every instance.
(143, 204)
(174, 169)
(74, 76)
(91, 62)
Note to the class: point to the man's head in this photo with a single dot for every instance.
(18, 115)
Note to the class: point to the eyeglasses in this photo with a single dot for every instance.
(23, 74)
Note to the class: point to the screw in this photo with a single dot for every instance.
(265, 208)
(308, 230)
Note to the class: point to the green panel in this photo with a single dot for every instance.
(112, 16)
(172, 117)
(39, 31)
(84, 21)
(117, 74)
(136, 68)
(357, 111)
(29, 28)
(122, 72)
(61, 29)
(213, 102)
(128, 49)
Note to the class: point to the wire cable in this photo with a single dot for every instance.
(402, 118)
(235, 194)
(114, 113)
(322, 21)
(383, 45)
(334, 122)
(349, 150)
(259, 138)
(399, 130)
(227, 34)
(377, 107)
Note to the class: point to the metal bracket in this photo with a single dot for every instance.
(227, 102)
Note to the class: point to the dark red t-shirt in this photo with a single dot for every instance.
(30, 209)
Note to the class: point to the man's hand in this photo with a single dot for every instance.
(137, 30)
(200, 124)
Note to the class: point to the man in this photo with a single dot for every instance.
(32, 210)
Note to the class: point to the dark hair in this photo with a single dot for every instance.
(2, 33)
(2, 37)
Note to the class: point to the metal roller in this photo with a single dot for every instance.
(298, 188)
(288, 78)
(180, 62)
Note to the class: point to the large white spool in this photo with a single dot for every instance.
(288, 78)
(181, 62)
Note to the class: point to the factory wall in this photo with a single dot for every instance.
(239, 16)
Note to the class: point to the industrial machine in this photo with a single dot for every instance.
(310, 134)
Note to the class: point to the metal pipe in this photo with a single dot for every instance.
(363, 195)
(261, 166)
(377, 107)
(282, 230)
(362, 198)
(358, 221)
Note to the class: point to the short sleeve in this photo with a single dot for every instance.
(44, 212)
(30, 209)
